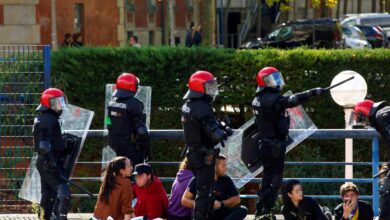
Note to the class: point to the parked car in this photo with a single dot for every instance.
(375, 35)
(370, 19)
(317, 33)
(354, 37)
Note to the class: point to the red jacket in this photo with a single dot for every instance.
(152, 201)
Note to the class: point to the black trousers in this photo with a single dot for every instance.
(204, 176)
(384, 199)
(236, 213)
(55, 191)
(272, 176)
(123, 147)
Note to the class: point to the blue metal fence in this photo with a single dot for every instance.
(319, 134)
(24, 73)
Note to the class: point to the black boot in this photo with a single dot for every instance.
(64, 204)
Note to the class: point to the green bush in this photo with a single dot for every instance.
(83, 73)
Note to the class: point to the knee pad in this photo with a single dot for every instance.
(63, 191)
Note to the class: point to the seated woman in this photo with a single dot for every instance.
(297, 207)
(116, 193)
(176, 211)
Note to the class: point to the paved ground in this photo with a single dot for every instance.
(72, 216)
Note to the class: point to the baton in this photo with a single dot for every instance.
(340, 83)
(78, 186)
(380, 173)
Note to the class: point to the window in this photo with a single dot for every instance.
(130, 7)
(152, 6)
(189, 5)
(78, 18)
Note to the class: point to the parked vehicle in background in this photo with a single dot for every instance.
(369, 19)
(375, 35)
(354, 37)
(317, 33)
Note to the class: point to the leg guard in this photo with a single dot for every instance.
(64, 201)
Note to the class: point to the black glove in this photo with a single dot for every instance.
(227, 130)
(316, 91)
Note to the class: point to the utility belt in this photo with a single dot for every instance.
(209, 154)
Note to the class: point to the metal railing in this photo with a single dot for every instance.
(319, 134)
(24, 74)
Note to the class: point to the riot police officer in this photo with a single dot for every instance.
(272, 120)
(376, 115)
(202, 132)
(127, 131)
(50, 145)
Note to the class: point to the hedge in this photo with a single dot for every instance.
(83, 73)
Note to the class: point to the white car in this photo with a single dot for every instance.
(354, 38)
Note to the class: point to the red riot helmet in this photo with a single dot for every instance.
(269, 77)
(202, 83)
(126, 85)
(53, 99)
(363, 111)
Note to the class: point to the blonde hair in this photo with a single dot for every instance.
(184, 164)
(346, 187)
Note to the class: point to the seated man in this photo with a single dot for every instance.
(227, 199)
(152, 200)
(352, 208)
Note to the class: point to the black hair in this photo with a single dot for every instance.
(109, 181)
(135, 38)
(68, 35)
(287, 188)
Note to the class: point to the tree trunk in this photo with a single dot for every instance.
(208, 23)
(345, 7)
(226, 26)
(338, 9)
(382, 5)
(259, 18)
(171, 23)
(373, 6)
(359, 6)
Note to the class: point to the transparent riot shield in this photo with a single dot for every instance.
(144, 94)
(301, 127)
(75, 123)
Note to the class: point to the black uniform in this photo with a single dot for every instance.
(308, 209)
(380, 120)
(273, 122)
(128, 134)
(50, 146)
(223, 189)
(201, 133)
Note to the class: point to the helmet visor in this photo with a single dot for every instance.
(211, 88)
(59, 103)
(274, 80)
(358, 119)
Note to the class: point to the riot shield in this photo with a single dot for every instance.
(75, 123)
(144, 94)
(241, 172)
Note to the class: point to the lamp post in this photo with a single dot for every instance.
(347, 95)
